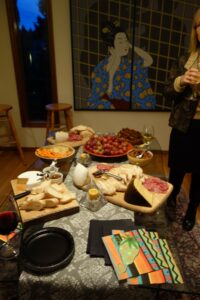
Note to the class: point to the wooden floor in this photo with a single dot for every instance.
(11, 167)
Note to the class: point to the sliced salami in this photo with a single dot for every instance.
(74, 137)
(155, 185)
(104, 167)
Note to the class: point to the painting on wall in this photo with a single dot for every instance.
(122, 51)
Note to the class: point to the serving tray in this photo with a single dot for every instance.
(45, 214)
(73, 144)
(158, 200)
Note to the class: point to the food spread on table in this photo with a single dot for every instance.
(123, 184)
(75, 137)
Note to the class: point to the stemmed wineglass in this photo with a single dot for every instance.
(148, 134)
(8, 223)
(196, 88)
(194, 96)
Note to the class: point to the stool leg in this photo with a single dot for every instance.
(52, 120)
(48, 123)
(68, 119)
(14, 132)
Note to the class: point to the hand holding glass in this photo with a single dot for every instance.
(196, 86)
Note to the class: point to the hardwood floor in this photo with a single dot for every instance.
(12, 166)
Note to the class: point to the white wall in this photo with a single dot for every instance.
(100, 121)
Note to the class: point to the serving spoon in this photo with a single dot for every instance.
(141, 154)
(98, 173)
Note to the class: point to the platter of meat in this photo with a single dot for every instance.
(126, 185)
(144, 195)
(75, 137)
(107, 146)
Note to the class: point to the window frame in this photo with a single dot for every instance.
(19, 72)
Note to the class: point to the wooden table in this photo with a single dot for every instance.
(89, 278)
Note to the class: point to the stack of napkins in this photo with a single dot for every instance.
(100, 228)
(141, 257)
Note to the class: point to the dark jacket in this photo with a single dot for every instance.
(183, 109)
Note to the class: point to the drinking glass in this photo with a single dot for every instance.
(8, 223)
(195, 88)
(148, 134)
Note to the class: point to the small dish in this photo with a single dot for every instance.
(56, 177)
(143, 161)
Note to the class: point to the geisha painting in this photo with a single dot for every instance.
(120, 80)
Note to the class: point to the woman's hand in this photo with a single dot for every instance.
(113, 61)
(112, 66)
(191, 76)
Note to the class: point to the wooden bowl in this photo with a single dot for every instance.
(59, 153)
(146, 158)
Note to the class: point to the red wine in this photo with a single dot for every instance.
(8, 222)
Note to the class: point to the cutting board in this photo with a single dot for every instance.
(158, 200)
(73, 144)
(45, 214)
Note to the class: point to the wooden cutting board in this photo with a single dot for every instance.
(158, 200)
(73, 144)
(45, 214)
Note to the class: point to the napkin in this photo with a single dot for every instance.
(100, 228)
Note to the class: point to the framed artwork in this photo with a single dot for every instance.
(122, 51)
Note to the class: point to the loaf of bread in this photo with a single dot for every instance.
(32, 204)
(47, 195)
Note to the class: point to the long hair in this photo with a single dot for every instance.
(194, 42)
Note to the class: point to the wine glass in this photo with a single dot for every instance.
(148, 134)
(194, 96)
(196, 87)
(8, 223)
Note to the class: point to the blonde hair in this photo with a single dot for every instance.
(194, 43)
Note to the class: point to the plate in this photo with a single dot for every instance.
(47, 250)
(108, 156)
(33, 178)
(55, 152)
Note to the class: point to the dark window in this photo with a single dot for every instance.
(32, 45)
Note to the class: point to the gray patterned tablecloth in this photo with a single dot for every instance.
(85, 277)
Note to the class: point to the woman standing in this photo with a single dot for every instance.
(184, 147)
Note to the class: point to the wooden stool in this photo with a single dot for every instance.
(57, 108)
(5, 114)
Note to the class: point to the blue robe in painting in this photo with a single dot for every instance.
(142, 97)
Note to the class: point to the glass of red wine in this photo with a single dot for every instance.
(8, 223)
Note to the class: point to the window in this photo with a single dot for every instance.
(30, 24)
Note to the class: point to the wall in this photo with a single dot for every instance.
(100, 121)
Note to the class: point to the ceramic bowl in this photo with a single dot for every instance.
(56, 177)
(59, 153)
(146, 158)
